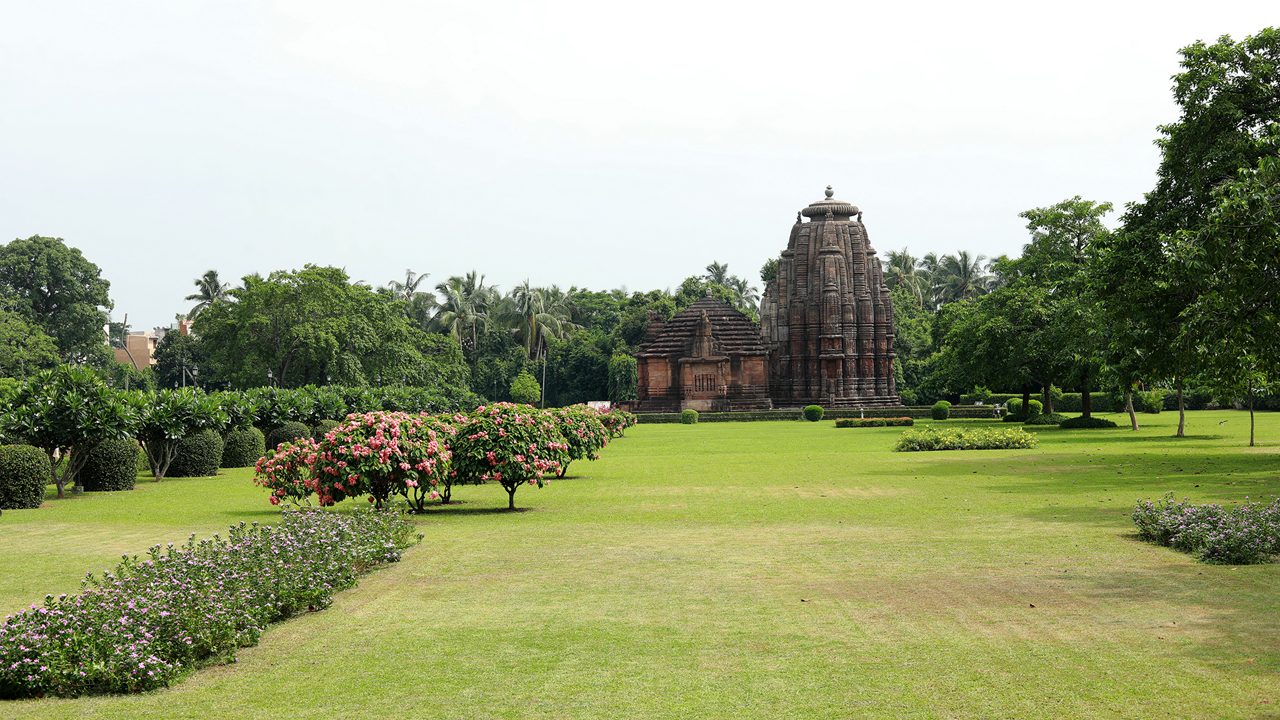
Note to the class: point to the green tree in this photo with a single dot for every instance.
(66, 412)
(525, 389)
(56, 288)
(209, 289)
(622, 378)
(25, 349)
(168, 416)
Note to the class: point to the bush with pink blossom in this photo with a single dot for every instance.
(583, 431)
(378, 454)
(511, 445)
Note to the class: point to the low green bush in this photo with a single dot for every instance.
(941, 410)
(287, 432)
(24, 473)
(1082, 422)
(322, 427)
(112, 465)
(243, 447)
(199, 455)
(933, 438)
(1045, 419)
(1149, 401)
(688, 416)
(813, 413)
(874, 422)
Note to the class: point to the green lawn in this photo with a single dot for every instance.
(753, 570)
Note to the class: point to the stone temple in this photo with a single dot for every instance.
(825, 335)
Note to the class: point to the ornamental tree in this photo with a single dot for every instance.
(583, 431)
(509, 444)
(67, 411)
(286, 471)
(170, 415)
(381, 453)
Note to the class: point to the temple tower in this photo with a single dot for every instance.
(826, 318)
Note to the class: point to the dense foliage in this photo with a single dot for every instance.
(176, 608)
(198, 455)
(525, 390)
(24, 474)
(617, 421)
(288, 431)
(941, 410)
(931, 438)
(689, 416)
(509, 444)
(812, 413)
(584, 432)
(380, 454)
(1246, 533)
(168, 416)
(1082, 422)
(112, 465)
(242, 447)
(875, 422)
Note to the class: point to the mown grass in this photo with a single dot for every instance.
(754, 570)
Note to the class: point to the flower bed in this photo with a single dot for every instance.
(178, 608)
(1245, 534)
(965, 439)
(875, 422)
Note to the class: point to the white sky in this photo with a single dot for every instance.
(589, 143)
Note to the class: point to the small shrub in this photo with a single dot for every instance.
(243, 447)
(617, 421)
(287, 432)
(874, 422)
(941, 410)
(142, 626)
(813, 413)
(1049, 419)
(1149, 401)
(525, 389)
(199, 455)
(24, 473)
(689, 416)
(1082, 423)
(1245, 534)
(931, 438)
(112, 465)
(979, 395)
(322, 427)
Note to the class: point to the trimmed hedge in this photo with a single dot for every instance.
(288, 432)
(321, 428)
(24, 473)
(199, 455)
(941, 410)
(243, 447)
(688, 416)
(812, 413)
(111, 466)
(1042, 419)
(875, 422)
(934, 438)
(974, 412)
(1083, 422)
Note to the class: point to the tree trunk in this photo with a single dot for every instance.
(511, 497)
(1182, 412)
(1250, 417)
(1128, 407)
(1026, 400)
(53, 472)
(1048, 398)
(1086, 401)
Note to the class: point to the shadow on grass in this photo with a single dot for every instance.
(452, 509)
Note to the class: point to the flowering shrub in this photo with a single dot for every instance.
(381, 453)
(583, 431)
(874, 422)
(1245, 534)
(286, 472)
(930, 438)
(511, 445)
(617, 421)
(176, 608)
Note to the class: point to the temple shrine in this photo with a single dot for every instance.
(825, 335)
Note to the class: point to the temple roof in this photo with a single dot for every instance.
(734, 333)
(839, 209)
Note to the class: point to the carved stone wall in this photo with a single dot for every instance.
(826, 319)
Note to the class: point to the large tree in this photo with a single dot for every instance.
(24, 347)
(1228, 92)
(56, 288)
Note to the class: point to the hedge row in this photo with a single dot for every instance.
(919, 412)
(875, 422)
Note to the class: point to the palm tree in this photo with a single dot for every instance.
(904, 270)
(209, 289)
(960, 277)
(464, 306)
(539, 314)
(718, 273)
(409, 288)
(747, 297)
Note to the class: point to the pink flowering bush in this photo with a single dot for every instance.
(286, 472)
(583, 431)
(174, 609)
(378, 454)
(617, 421)
(511, 445)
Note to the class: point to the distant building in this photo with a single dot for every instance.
(140, 347)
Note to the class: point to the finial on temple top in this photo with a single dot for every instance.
(830, 192)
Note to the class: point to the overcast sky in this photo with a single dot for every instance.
(594, 144)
